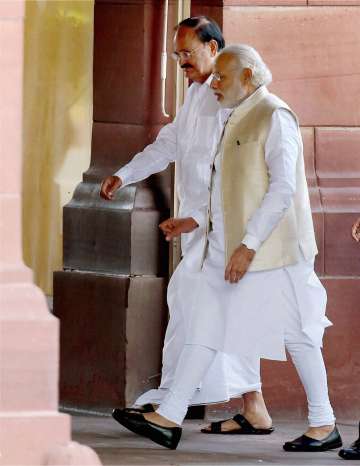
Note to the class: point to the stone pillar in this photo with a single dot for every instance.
(110, 297)
(31, 429)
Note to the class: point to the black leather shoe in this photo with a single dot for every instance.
(353, 452)
(305, 443)
(168, 437)
(146, 408)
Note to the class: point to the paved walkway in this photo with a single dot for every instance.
(117, 446)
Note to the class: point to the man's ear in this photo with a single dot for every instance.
(213, 47)
(247, 74)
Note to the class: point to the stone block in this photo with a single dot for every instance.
(11, 105)
(333, 2)
(124, 237)
(342, 344)
(338, 157)
(127, 79)
(301, 46)
(111, 335)
(210, 9)
(265, 2)
(26, 437)
(11, 9)
(338, 171)
(342, 255)
(29, 350)
(117, 77)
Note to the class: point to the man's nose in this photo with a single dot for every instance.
(214, 83)
(182, 61)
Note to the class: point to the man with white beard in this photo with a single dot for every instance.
(191, 141)
(258, 292)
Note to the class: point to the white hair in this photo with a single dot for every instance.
(248, 57)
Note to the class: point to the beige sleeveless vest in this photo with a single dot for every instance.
(245, 181)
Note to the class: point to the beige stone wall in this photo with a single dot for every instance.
(57, 124)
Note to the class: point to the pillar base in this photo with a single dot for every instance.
(111, 336)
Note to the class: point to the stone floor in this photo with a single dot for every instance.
(117, 446)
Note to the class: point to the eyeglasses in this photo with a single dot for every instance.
(185, 54)
(218, 77)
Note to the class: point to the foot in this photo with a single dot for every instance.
(168, 437)
(328, 439)
(256, 420)
(146, 408)
(319, 433)
(226, 426)
(159, 420)
(255, 412)
(352, 452)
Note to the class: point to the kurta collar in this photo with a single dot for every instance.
(209, 79)
(249, 103)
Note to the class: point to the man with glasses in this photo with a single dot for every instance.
(191, 141)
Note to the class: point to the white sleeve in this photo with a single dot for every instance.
(154, 158)
(282, 149)
(199, 215)
(157, 156)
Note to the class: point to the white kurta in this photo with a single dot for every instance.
(191, 141)
(259, 313)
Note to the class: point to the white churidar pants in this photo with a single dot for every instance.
(195, 361)
(192, 366)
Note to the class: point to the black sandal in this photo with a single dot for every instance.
(245, 428)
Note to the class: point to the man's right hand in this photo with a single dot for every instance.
(109, 186)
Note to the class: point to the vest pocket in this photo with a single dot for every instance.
(246, 159)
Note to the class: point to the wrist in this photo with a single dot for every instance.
(194, 222)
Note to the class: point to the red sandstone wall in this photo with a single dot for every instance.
(312, 48)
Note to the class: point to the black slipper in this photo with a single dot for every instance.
(146, 408)
(305, 443)
(245, 428)
(168, 437)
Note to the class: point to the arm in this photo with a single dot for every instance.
(282, 148)
(157, 156)
(281, 153)
(154, 158)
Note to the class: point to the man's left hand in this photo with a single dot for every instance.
(239, 263)
(173, 227)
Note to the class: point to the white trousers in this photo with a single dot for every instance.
(195, 361)
(192, 366)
